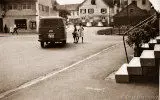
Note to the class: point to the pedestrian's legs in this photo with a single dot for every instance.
(74, 39)
(16, 31)
(77, 39)
(82, 39)
(13, 32)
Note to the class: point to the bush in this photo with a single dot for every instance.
(136, 39)
(105, 31)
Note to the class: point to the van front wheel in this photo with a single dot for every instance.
(64, 42)
(42, 44)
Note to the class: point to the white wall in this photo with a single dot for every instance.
(97, 8)
(0, 11)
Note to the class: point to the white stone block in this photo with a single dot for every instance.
(121, 75)
(134, 67)
(158, 39)
(157, 51)
(152, 43)
(147, 58)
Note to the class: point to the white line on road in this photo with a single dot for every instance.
(44, 77)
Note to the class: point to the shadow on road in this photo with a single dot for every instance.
(60, 46)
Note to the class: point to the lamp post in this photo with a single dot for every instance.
(127, 33)
(127, 13)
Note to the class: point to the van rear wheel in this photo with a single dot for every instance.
(42, 44)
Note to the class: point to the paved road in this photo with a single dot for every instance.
(77, 70)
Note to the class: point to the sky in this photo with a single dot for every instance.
(156, 3)
(69, 1)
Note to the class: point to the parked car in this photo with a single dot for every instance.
(52, 30)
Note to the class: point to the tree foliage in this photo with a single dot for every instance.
(64, 13)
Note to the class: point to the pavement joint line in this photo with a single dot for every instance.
(49, 75)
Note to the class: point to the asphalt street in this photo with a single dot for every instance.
(71, 72)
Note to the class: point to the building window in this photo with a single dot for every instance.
(143, 2)
(93, 2)
(103, 10)
(32, 25)
(19, 7)
(21, 23)
(29, 6)
(33, 7)
(131, 10)
(90, 11)
(43, 8)
(83, 18)
(47, 8)
(24, 6)
(125, 3)
(10, 7)
(83, 11)
(15, 6)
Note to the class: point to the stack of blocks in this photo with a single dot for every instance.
(143, 68)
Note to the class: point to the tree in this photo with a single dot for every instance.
(64, 13)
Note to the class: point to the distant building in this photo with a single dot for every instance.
(130, 15)
(99, 10)
(26, 13)
(142, 4)
(71, 8)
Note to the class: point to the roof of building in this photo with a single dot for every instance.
(68, 7)
(110, 3)
(124, 10)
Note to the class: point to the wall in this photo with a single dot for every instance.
(0, 10)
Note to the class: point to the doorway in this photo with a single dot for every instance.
(1, 25)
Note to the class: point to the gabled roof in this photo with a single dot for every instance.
(110, 3)
(68, 7)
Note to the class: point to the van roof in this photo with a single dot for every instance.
(51, 17)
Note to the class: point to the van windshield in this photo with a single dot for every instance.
(45, 23)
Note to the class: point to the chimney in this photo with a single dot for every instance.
(134, 2)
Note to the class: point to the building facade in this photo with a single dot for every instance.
(26, 13)
(130, 15)
(71, 8)
(98, 10)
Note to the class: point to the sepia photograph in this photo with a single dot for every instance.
(79, 49)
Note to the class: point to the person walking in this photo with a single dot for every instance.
(5, 29)
(15, 29)
(75, 34)
(81, 33)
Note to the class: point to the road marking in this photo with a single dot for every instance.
(95, 89)
(46, 76)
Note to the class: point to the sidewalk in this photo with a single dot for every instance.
(9, 34)
(4, 34)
